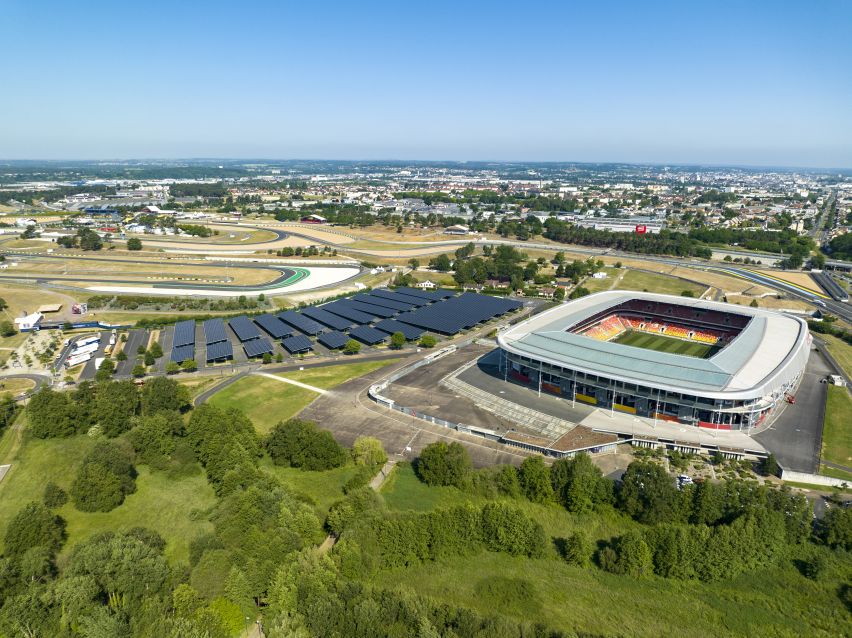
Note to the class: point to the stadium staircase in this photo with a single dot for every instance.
(543, 424)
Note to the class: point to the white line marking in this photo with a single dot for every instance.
(291, 382)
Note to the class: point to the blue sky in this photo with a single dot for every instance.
(749, 82)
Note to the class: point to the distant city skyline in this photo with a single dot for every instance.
(761, 84)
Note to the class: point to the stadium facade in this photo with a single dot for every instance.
(743, 361)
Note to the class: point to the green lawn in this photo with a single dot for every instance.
(324, 488)
(840, 350)
(263, 400)
(654, 282)
(330, 376)
(665, 344)
(161, 503)
(777, 601)
(837, 427)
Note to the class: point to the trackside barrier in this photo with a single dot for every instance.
(813, 479)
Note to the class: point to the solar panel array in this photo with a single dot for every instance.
(214, 331)
(372, 309)
(342, 310)
(459, 313)
(368, 335)
(184, 334)
(219, 351)
(276, 328)
(429, 295)
(301, 322)
(182, 353)
(258, 347)
(329, 319)
(393, 296)
(384, 302)
(244, 328)
(391, 325)
(298, 343)
(333, 340)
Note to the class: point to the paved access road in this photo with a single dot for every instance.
(795, 437)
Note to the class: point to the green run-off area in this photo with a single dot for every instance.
(665, 344)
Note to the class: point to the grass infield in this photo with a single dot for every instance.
(665, 344)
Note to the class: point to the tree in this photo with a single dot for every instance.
(578, 549)
(50, 414)
(535, 480)
(352, 347)
(189, 365)
(116, 402)
(156, 350)
(105, 370)
(441, 263)
(397, 340)
(34, 526)
(369, 451)
(754, 303)
(769, 466)
(161, 394)
(836, 528)
(121, 356)
(443, 464)
(106, 476)
(301, 444)
(7, 329)
(428, 341)
(267, 357)
(134, 243)
(648, 493)
(559, 294)
(54, 496)
(578, 483)
(634, 555)
(172, 367)
(414, 263)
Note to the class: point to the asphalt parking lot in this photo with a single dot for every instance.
(795, 437)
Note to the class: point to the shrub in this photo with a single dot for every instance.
(301, 444)
(443, 464)
(106, 476)
(54, 496)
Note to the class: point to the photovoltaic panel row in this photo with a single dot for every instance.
(333, 340)
(219, 351)
(298, 343)
(371, 309)
(276, 328)
(327, 318)
(384, 302)
(368, 335)
(391, 325)
(244, 328)
(393, 296)
(459, 313)
(431, 295)
(347, 312)
(214, 331)
(301, 322)
(184, 333)
(182, 353)
(258, 347)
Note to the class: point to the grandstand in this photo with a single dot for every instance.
(684, 360)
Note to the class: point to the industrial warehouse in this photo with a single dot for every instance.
(675, 359)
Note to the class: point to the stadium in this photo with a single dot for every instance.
(695, 362)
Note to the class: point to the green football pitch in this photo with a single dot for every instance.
(665, 344)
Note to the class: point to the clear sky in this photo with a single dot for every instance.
(747, 82)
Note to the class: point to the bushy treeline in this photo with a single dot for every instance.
(663, 243)
(829, 328)
(109, 405)
(132, 302)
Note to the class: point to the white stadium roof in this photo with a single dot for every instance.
(770, 350)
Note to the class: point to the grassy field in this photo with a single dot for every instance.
(777, 601)
(15, 386)
(161, 502)
(323, 488)
(837, 427)
(599, 285)
(840, 350)
(653, 282)
(665, 344)
(331, 376)
(263, 400)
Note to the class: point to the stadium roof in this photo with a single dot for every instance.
(750, 361)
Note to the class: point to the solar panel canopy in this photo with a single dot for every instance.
(368, 335)
(301, 322)
(390, 326)
(244, 328)
(182, 353)
(385, 302)
(258, 347)
(372, 309)
(214, 330)
(348, 312)
(393, 296)
(329, 319)
(432, 295)
(276, 328)
(333, 340)
(298, 343)
(219, 350)
(459, 313)
(184, 333)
